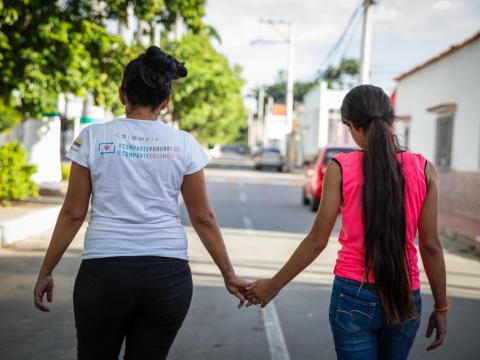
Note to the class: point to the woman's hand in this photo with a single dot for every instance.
(261, 292)
(438, 321)
(44, 285)
(236, 286)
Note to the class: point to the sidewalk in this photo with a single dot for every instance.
(459, 233)
(30, 217)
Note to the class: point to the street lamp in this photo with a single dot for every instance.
(288, 39)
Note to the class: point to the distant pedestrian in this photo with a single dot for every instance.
(384, 194)
(134, 282)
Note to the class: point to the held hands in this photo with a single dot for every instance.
(236, 286)
(261, 292)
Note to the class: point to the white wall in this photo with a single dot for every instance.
(275, 127)
(453, 79)
(315, 118)
(309, 122)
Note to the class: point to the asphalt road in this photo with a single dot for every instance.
(263, 221)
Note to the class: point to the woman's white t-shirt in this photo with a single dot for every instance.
(137, 169)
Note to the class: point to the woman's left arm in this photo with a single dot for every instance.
(69, 221)
(263, 291)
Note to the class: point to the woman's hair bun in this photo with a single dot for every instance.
(163, 64)
(147, 80)
(181, 70)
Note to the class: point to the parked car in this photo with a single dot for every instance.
(312, 190)
(234, 148)
(269, 157)
(215, 152)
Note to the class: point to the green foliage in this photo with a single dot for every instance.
(52, 47)
(65, 172)
(163, 11)
(278, 89)
(46, 50)
(349, 66)
(15, 174)
(208, 102)
(348, 69)
(338, 75)
(9, 115)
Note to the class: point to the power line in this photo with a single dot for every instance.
(342, 36)
(349, 39)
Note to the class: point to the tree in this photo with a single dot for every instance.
(208, 102)
(347, 70)
(278, 89)
(51, 47)
(45, 50)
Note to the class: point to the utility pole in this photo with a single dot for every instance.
(366, 42)
(289, 100)
(266, 130)
(287, 38)
(157, 31)
(260, 117)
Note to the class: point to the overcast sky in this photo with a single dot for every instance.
(405, 33)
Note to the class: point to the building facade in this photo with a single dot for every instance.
(438, 107)
(320, 121)
(438, 114)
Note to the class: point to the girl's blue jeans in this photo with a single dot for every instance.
(359, 326)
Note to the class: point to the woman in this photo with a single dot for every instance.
(134, 281)
(384, 195)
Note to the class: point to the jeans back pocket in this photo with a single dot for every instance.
(410, 327)
(354, 315)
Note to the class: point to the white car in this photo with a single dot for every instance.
(269, 157)
(215, 152)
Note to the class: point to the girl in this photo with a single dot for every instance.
(134, 281)
(385, 194)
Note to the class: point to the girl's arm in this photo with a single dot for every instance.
(432, 256)
(70, 219)
(312, 245)
(203, 221)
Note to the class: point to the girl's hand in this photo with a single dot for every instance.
(236, 286)
(438, 321)
(44, 285)
(261, 292)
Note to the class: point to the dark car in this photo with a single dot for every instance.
(234, 148)
(312, 190)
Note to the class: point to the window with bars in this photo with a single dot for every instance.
(443, 146)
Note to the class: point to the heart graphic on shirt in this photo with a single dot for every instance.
(106, 148)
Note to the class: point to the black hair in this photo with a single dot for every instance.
(147, 80)
(383, 200)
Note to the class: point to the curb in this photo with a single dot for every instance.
(28, 225)
(460, 242)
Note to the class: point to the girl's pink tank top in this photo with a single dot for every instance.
(350, 261)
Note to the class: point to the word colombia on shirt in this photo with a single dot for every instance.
(138, 140)
(136, 169)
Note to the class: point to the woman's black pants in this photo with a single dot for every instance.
(142, 299)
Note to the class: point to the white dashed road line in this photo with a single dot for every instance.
(276, 341)
(243, 197)
(247, 223)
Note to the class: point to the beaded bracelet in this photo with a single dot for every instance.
(443, 309)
